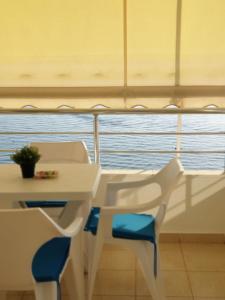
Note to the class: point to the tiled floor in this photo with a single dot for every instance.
(191, 272)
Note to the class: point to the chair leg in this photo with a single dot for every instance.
(159, 279)
(46, 291)
(74, 273)
(146, 257)
(93, 264)
(89, 241)
(74, 281)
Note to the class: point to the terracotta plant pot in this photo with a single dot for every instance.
(27, 170)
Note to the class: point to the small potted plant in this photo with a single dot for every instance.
(26, 157)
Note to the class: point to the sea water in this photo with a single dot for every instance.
(123, 124)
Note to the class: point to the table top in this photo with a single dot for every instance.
(74, 182)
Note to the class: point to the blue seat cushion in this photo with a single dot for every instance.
(49, 260)
(127, 226)
(45, 204)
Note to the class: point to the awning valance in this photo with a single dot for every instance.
(113, 53)
(111, 103)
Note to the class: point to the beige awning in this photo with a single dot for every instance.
(117, 54)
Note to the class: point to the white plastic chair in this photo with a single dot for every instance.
(122, 225)
(36, 253)
(62, 152)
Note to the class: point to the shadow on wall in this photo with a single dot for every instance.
(196, 206)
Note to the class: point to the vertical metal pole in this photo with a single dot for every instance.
(177, 71)
(178, 138)
(178, 42)
(224, 164)
(125, 44)
(96, 140)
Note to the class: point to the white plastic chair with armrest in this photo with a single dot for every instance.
(36, 253)
(122, 225)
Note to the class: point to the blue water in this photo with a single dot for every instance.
(123, 123)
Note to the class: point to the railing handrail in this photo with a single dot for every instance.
(108, 151)
(113, 132)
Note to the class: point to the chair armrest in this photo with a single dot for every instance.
(111, 210)
(114, 187)
(74, 228)
(130, 184)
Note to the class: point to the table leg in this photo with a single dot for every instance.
(69, 213)
(72, 210)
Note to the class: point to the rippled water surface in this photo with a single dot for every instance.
(123, 124)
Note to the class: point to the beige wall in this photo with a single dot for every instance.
(196, 206)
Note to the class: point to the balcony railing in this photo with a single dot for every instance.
(97, 151)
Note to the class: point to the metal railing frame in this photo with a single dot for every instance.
(96, 135)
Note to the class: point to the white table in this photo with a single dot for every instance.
(75, 182)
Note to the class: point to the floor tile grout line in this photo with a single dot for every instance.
(122, 295)
(209, 298)
(174, 269)
(22, 295)
(135, 278)
(116, 270)
(204, 271)
(181, 297)
(177, 269)
(198, 270)
(186, 271)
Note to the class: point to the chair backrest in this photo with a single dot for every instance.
(63, 152)
(167, 178)
(22, 232)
